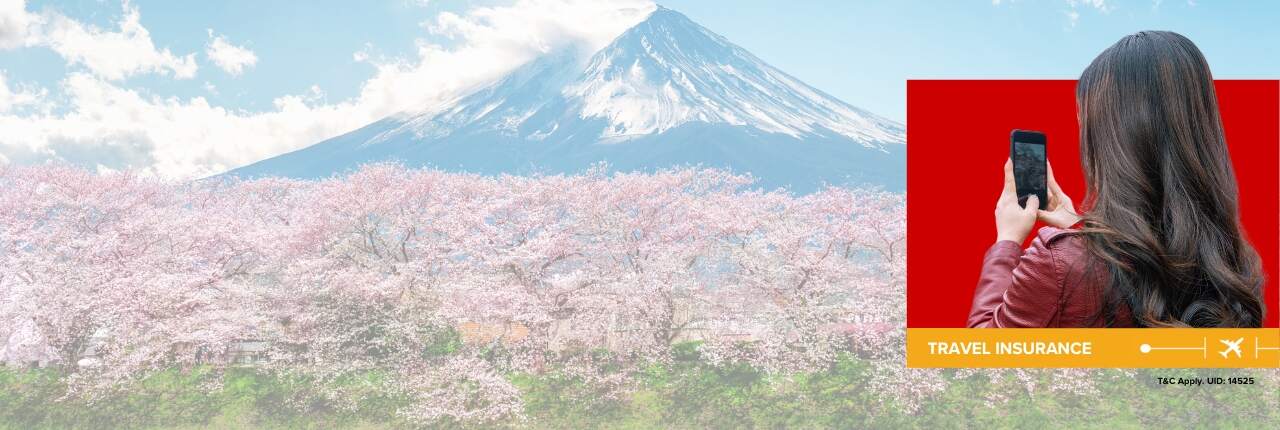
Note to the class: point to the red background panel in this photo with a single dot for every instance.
(958, 139)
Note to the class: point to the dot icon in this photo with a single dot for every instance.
(1145, 348)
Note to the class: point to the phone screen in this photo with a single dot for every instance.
(1029, 172)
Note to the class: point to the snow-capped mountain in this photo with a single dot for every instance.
(666, 92)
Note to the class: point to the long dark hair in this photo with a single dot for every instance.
(1162, 208)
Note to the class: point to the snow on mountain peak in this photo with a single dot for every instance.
(662, 73)
(668, 70)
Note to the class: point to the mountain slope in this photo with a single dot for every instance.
(666, 92)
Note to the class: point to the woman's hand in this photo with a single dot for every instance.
(1014, 222)
(1061, 213)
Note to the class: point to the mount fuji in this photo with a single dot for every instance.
(666, 92)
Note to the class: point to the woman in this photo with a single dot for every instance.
(1160, 244)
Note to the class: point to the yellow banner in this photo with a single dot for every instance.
(1093, 347)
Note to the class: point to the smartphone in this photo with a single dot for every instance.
(1030, 168)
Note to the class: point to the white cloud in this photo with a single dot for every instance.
(113, 55)
(107, 126)
(1100, 5)
(230, 58)
(112, 127)
(117, 54)
(491, 42)
(14, 23)
(22, 96)
(1072, 13)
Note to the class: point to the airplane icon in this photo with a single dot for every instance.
(1231, 347)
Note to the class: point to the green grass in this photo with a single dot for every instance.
(685, 393)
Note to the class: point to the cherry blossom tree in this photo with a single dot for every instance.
(380, 271)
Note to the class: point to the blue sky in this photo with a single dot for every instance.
(80, 79)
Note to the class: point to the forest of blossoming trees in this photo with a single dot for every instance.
(448, 283)
(113, 276)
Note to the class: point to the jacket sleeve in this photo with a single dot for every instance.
(1017, 288)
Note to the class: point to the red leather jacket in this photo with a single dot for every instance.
(1054, 283)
